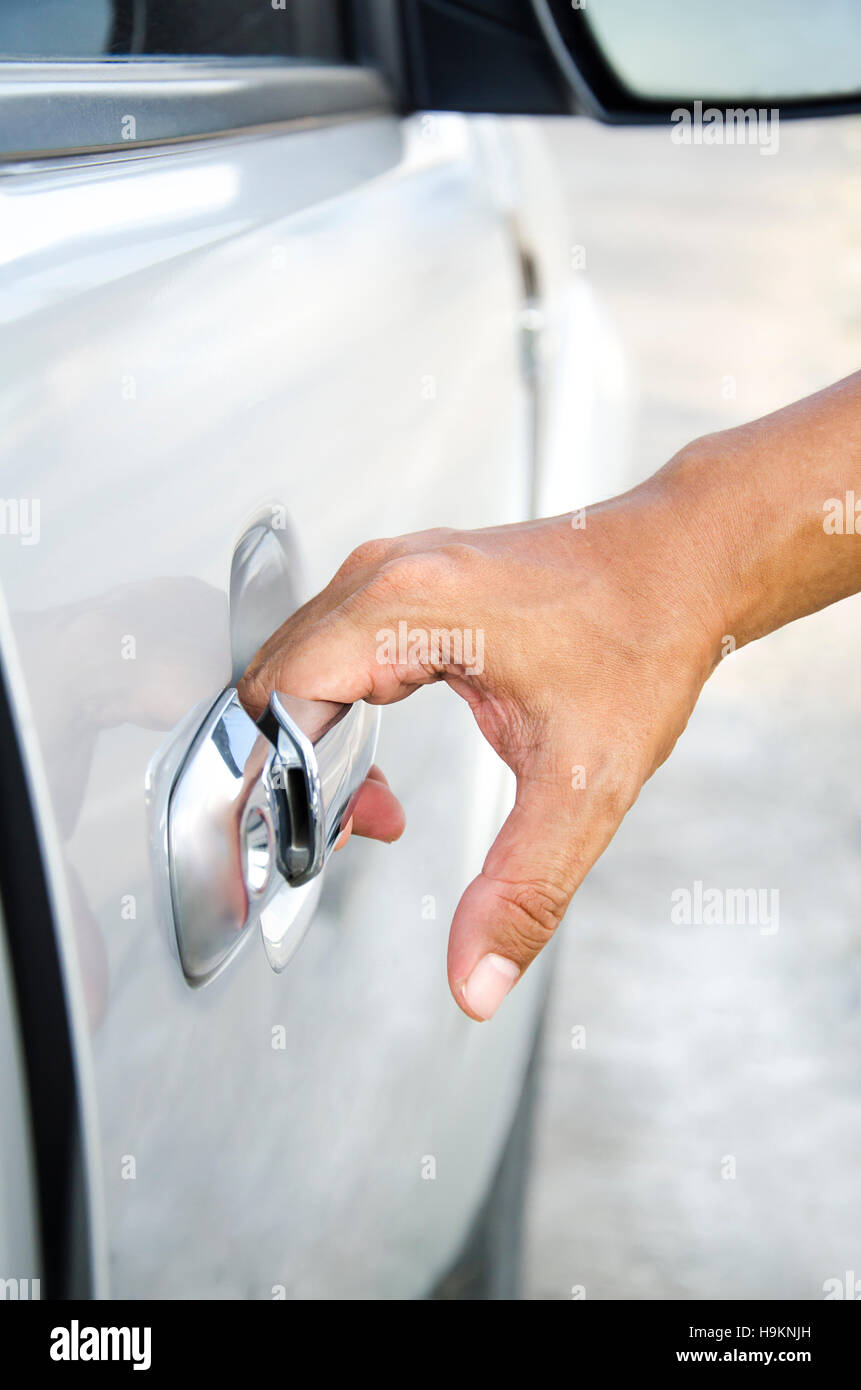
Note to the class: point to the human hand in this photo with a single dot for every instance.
(580, 652)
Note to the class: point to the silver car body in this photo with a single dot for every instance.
(335, 330)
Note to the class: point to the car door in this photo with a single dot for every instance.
(247, 303)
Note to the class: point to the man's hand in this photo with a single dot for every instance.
(592, 644)
(587, 648)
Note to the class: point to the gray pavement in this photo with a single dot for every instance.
(705, 1141)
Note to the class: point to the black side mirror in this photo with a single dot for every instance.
(633, 61)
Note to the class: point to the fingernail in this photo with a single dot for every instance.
(487, 986)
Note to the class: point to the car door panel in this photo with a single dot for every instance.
(321, 326)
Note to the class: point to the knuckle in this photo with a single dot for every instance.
(434, 537)
(454, 557)
(534, 911)
(438, 569)
(428, 573)
(253, 692)
(404, 576)
(368, 555)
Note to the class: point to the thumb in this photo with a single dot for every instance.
(509, 913)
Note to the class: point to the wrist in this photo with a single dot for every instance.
(753, 501)
(672, 534)
(713, 535)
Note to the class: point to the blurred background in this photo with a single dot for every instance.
(699, 1116)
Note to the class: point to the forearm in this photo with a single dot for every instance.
(769, 511)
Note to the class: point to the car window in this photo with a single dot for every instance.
(312, 30)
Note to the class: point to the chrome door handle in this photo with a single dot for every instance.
(253, 813)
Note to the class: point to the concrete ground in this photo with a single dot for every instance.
(705, 1141)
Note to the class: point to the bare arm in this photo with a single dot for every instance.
(594, 645)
